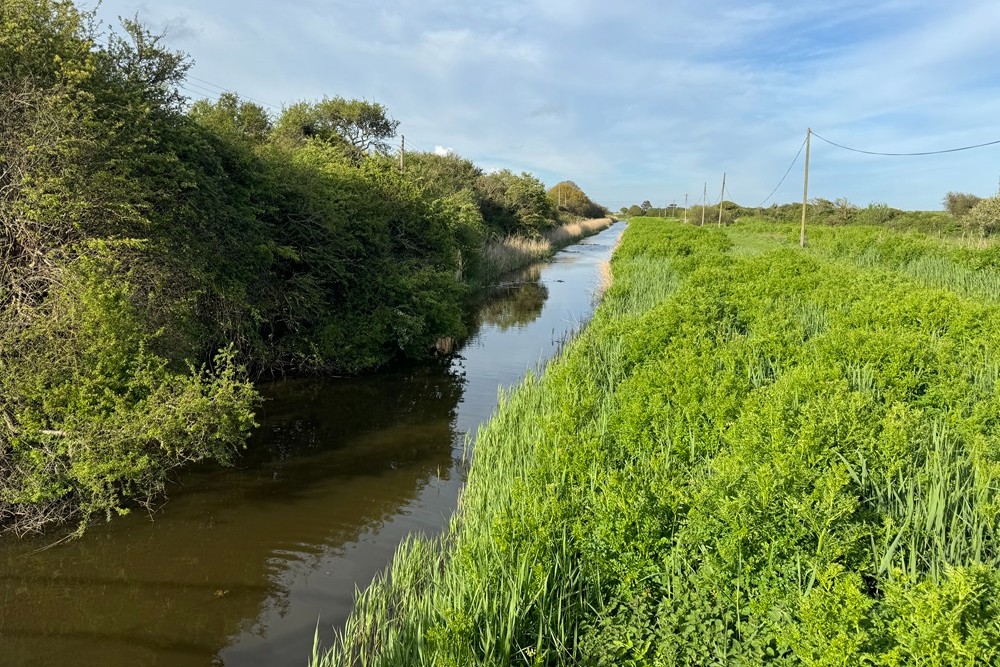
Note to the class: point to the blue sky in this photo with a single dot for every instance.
(635, 99)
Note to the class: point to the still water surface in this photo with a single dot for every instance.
(240, 564)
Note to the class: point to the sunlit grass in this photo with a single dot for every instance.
(750, 456)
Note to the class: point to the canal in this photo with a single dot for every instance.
(239, 566)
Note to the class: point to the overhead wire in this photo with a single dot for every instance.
(798, 154)
(229, 90)
(787, 171)
(215, 94)
(199, 92)
(947, 150)
(857, 150)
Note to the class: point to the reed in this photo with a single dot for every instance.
(506, 254)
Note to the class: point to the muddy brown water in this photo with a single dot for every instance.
(242, 564)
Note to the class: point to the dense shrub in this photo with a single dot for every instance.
(568, 197)
(984, 218)
(155, 255)
(960, 203)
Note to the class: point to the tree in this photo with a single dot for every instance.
(645, 206)
(960, 203)
(513, 203)
(231, 117)
(140, 61)
(107, 194)
(635, 210)
(984, 217)
(357, 127)
(569, 197)
(441, 175)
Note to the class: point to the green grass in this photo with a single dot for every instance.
(752, 455)
(967, 266)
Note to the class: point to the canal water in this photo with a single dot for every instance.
(242, 565)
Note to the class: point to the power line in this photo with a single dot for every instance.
(229, 90)
(202, 91)
(948, 150)
(729, 191)
(787, 171)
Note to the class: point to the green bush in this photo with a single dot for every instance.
(959, 204)
(139, 238)
(983, 219)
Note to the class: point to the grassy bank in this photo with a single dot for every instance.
(505, 254)
(752, 455)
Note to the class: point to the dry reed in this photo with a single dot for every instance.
(503, 255)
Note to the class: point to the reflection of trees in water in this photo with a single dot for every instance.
(332, 460)
(516, 302)
(305, 415)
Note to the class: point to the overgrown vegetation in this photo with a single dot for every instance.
(154, 255)
(503, 255)
(573, 203)
(754, 454)
(960, 203)
(953, 221)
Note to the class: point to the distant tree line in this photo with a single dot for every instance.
(963, 212)
(155, 254)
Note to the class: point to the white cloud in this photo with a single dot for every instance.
(638, 99)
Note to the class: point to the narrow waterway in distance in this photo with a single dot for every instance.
(240, 564)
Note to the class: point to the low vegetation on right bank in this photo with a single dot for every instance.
(754, 454)
(963, 214)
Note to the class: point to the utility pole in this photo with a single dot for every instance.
(805, 192)
(402, 152)
(685, 207)
(704, 202)
(722, 197)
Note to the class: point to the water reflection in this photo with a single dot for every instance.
(516, 302)
(332, 461)
(239, 565)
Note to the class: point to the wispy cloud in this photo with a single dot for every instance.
(638, 99)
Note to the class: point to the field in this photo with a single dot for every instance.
(753, 454)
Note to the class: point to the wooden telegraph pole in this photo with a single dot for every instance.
(704, 203)
(722, 197)
(805, 192)
(685, 207)
(402, 152)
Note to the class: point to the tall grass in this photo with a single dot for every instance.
(967, 266)
(768, 458)
(506, 254)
